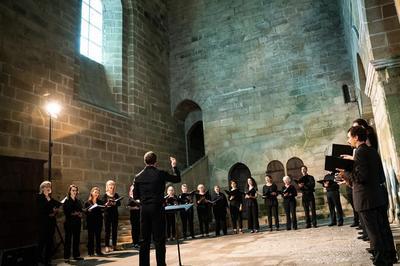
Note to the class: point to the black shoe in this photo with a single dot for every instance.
(340, 224)
(308, 226)
(354, 224)
(78, 258)
(315, 226)
(365, 238)
(359, 228)
(66, 261)
(360, 233)
(331, 224)
(270, 229)
(360, 237)
(100, 254)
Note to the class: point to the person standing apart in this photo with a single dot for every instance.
(149, 189)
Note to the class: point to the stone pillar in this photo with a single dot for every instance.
(383, 88)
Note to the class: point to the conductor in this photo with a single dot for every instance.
(149, 189)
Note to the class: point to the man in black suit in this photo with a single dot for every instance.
(369, 202)
(149, 187)
(307, 187)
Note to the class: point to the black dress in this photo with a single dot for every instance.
(236, 201)
(72, 227)
(252, 210)
(47, 224)
(94, 219)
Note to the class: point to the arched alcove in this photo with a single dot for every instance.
(276, 169)
(239, 172)
(189, 113)
(195, 142)
(293, 167)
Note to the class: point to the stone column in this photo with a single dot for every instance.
(383, 88)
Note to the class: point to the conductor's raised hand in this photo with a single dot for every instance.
(173, 161)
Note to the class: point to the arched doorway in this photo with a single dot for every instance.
(239, 172)
(276, 169)
(293, 167)
(195, 142)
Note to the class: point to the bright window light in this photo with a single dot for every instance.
(92, 29)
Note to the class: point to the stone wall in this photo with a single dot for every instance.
(39, 54)
(267, 76)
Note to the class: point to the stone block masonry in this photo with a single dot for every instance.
(40, 54)
(267, 76)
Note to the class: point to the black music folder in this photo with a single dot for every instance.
(332, 162)
(340, 149)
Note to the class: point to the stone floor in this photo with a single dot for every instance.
(317, 246)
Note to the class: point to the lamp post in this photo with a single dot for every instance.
(52, 109)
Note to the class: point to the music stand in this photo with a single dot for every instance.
(175, 209)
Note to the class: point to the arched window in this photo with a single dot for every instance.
(91, 41)
(293, 167)
(239, 172)
(276, 169)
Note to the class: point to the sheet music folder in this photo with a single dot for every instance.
(173, 208)
(340, 149)
(332, 162)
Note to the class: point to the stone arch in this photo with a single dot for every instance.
(239, 172)
(189, 113)
(276, 169)
(293, 167)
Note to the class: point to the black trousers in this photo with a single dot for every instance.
(111, 223)
(272, 210)
(290, 210)
(202, 213)
(94, 228)
(308, 202)
(152, 223)
(236, 217)
(171, 232)
(252, 214)
(334, 203)
(220, 221)
(187, 220)
(72, 235)
(349, 194)
(381, 239)
(135, 225)
(46, 242)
